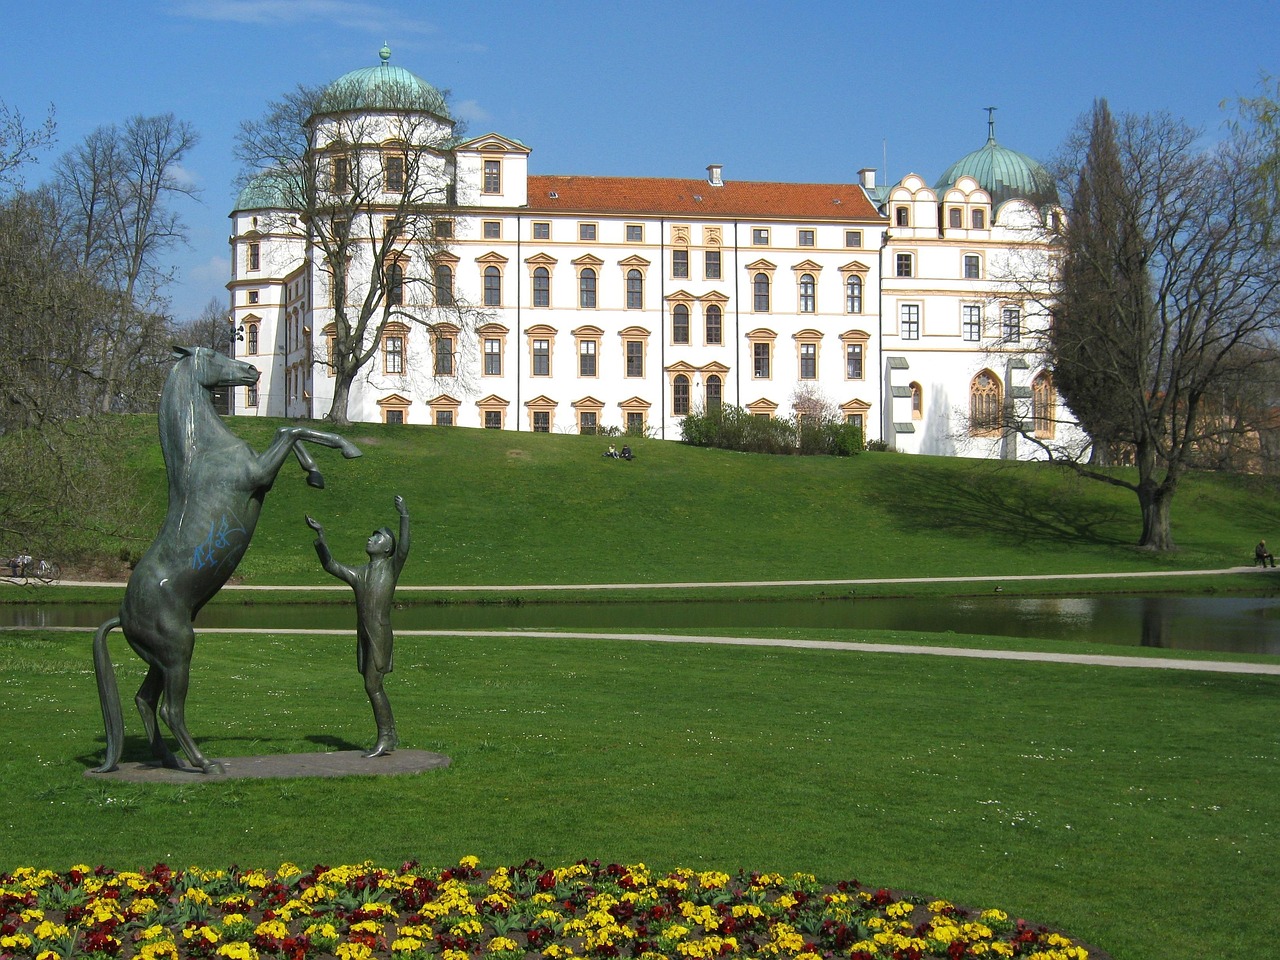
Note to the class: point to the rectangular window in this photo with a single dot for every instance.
(635, 358)
(760, 358)
(972, 266)
(1011, 324)
(492, 176)
(760, 237)
(903, 264)
(444, 356)
(492, 357)
(586, 231)
(954, 215)
(853, 361)
(854, 419)
(971, 322)
(253, 296)
(254, 257)
(805, 238)
(393, 174)
(979, 220)
(393, 355)
(587, 358)
(680, 264)
(493, 419)
(711, 265)
(587, 422)
(910, 321)
(853, 238)
(251, 396)
(541, 230)
(542, 421)
(542, 358)
(635, 233)
(394, 416)
(635, 422)
(808, 361)
(493, 229)
(341, 175)
(444, 418)
(442, 229)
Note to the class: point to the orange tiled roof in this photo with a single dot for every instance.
(698, 198)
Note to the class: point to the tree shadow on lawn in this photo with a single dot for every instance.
(993, 501)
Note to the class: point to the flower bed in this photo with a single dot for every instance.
(510, 913)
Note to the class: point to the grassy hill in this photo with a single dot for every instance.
(493, 507)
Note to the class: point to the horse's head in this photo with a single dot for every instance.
(214, 369)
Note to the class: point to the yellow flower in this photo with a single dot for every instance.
(502, 945)
(452, 954)
(288, 870)
(271, 928)
(159, 950)
(899, 909)
(196, 895)
(353, 951)
(16, 940)
(405, 944)
(469, 861)
(207, 934)
(238, 950)
(713, 880)
(48, 930)
(367, 926)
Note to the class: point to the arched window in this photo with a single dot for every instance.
(715, 392)
(395, 285)
(444, 284)
(917, 402)
(635, 290)
(587, 289)
(901, 216)
(251, 337)
(808, 295)
(542, 287)
(680, 324)
(1043, 412)
(492, 287)
(984, 403)
(715, 318)
(853, 295)
(680, 395)
(761, 287)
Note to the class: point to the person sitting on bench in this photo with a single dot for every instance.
(1262, 556)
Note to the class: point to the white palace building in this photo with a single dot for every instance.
(627, 302)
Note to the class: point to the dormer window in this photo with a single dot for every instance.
(901, 216)
(979, 220)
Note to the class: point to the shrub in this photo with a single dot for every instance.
(733, 428)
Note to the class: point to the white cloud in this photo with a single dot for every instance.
(470, 111)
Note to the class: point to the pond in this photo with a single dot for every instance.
(1225, 624)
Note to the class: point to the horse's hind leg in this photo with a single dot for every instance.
(176, 678)
(148, 699)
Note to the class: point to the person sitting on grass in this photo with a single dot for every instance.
(626, 452)
(1262, 556)
(612, 452)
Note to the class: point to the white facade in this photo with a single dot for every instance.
(598, 302)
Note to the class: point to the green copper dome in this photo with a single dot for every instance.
(1003, 173)
(269, 190)
(382, 88)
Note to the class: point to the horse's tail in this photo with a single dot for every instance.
(109, 695)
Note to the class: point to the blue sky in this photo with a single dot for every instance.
(798, 91)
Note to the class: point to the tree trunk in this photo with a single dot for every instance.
(341, 395)
(1155, 499)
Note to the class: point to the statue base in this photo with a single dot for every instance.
(340, 763)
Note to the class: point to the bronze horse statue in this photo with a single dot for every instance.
(216, 487)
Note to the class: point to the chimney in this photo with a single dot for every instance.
(868, 177)
(713, 174)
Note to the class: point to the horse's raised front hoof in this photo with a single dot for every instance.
(350, 450)
(314, 479)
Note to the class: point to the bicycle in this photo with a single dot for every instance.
(46, 571)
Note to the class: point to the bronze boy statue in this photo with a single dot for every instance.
(374, 585)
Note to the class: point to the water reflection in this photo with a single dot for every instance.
(1228, 624)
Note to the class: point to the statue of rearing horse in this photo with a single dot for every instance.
(216, 487)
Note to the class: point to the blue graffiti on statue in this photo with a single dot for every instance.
(225, 537)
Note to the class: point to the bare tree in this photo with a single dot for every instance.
(19, 143)
(211, 327)
(1167, 294)
(119, 185)
(370, 196)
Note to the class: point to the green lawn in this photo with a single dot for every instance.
(500, 507)
(1137, 809)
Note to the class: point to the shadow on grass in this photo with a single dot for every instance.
(137, 748)
(982, 496)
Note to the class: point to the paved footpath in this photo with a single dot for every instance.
(1103, 660)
